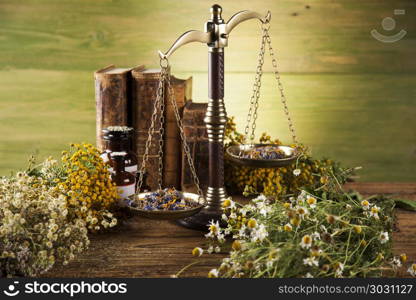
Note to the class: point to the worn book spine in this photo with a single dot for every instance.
(111, 99)
(144, 87)
(172, 161)
(144, 90)
(197, 137)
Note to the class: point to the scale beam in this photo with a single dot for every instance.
(186, 38)
(244, 16)
(216, 31)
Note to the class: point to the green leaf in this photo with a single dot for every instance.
(406, 204)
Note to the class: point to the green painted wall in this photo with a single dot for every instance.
(351, 96)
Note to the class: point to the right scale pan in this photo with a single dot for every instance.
(262, 155)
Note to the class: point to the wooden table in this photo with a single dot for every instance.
(148, 248)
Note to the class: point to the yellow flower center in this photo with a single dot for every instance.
(226, 203)
(287, 227)
(295, 221)
(307, 239)
(311, 201)
(196, 252)
(236, 245)
(213, 228)
(358, 229)
(365, 203)
(252, 223)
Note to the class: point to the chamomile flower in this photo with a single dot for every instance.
(308, 275)
(236, 245)
(315, 251)
(252, 223)
(358, 229)
(210, 249)
(302, 212)
(311, 261)
(260, 198)
(412, 269)
(213, 273)
(374, 211)
(384, 237)
(197, 251)
(221, 237)
(233, 216)
(228, 204)
(295, 221)
(241, 232)
(311, 201)
(217, 249)
(306, 241)
(263, 208)
(365, 204)
(259, 233)
(287, 227)
(214, 229)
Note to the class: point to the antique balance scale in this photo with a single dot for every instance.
(208, 207)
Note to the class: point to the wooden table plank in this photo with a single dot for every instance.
(149, 248)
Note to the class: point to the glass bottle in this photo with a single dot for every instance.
(118, 139)
(125, 181)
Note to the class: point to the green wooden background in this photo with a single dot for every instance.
(352, 97)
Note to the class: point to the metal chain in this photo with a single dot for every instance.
(254, 100)
(279, 83)
(172, 99)
(162, 127)
(156, 106)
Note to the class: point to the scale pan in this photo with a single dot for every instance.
(235, 155)
(168, 214)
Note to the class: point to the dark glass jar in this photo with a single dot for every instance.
(125, 181)
(119, 139)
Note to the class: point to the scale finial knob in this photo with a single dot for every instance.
(216, 11)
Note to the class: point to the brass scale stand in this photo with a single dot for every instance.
(216, 36)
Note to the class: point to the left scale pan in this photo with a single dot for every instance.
(186, 205)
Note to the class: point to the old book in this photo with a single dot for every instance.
(182, 89)
(111, 99)
(197, 137)
(144, 89)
